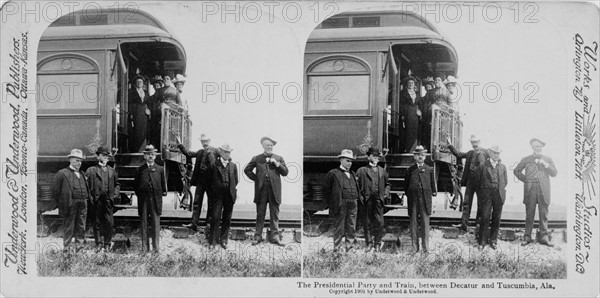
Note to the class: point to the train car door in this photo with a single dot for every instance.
(391, 89)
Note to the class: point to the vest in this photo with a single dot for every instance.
(349, 189)
(79, 188)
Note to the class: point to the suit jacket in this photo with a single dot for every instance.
(474, 158)
(202, 172)
(415, 179)
(535, 173)
(221, 175)
(62, 189)
(150, 185)
(262, 170)
(332, 188)
(482, 178)
(365, 177)
(94, 175)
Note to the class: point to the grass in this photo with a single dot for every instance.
(325, 264)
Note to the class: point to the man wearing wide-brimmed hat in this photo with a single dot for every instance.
(535, 171)
(343, 193)
(267, 189)
(224, 182)
(375, 189)
(104, 189)
(201, 177)
(473, 158)
(150, 187)
(489, 180)
(71, 193)
(420, 187)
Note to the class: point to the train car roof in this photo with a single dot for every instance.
(373, 33)
(104, 31)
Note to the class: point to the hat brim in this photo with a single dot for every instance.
(344, 156)
(75, 156)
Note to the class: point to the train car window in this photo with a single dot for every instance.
(365, 22)
(91, 17)
(336, 23)
(338, 86)
(67, 85)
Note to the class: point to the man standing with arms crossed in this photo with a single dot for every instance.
(536, 178)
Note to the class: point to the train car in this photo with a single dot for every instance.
(86, 62)
(354, 63)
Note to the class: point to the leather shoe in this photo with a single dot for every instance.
(527, 240)
(546, 242)
(493, 246)
(223, 245)
(480, 247)
(276, 242)
(257, 240)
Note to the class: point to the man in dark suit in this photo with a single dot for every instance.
(342, 192)
(535, 171)
(224, 182)
(473, 158)
(420, 187)
(267, 188)
(489, 180)
(104, 189)
(375, 189)
(150, 187)
(138, 113)
(201, 177)
(71, 193)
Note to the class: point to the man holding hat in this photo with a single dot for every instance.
(490, 179)
(224, 182)
(104, 189)
(150, 187)
(420, 187)
(473, 158)
(71, 192)
(201, 176)
(342, 192)
(535, 171)
(375, 189)
(267, 188)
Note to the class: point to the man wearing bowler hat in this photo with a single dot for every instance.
(224, 182)
(473, 158)
(420, 187)
(489, 180)
(343, 192)
(71, 193)
(150, 187)
(201, 177)
(104, 189)
(535, 171)
(267, 188)
(375, 189)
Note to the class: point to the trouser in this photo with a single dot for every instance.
(344, 223)
(74, 223)
(536, 197)
(149, 215)
(419, 219)
(222, 208)
(362, 219)
(102, 219)
(491, 208)
(201, 189)
(266, 196)
(467, 206)
(375, 211)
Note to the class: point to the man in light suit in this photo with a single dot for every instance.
(535, 171)
(342, 193)
(375, 189)
(267, 188)
(420, 187)
(150, 187)
(489, 180)
(224, 182)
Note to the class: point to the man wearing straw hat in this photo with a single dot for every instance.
(71, 193)
(104, 189)
(473, 158)
(420, 187)
(267, 189)
(535, 171)
(343, 192)
(201, 177)
(490, 179)
(224, 182)
(375, 189)
(150, 187)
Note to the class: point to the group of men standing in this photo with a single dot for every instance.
(361, 195)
